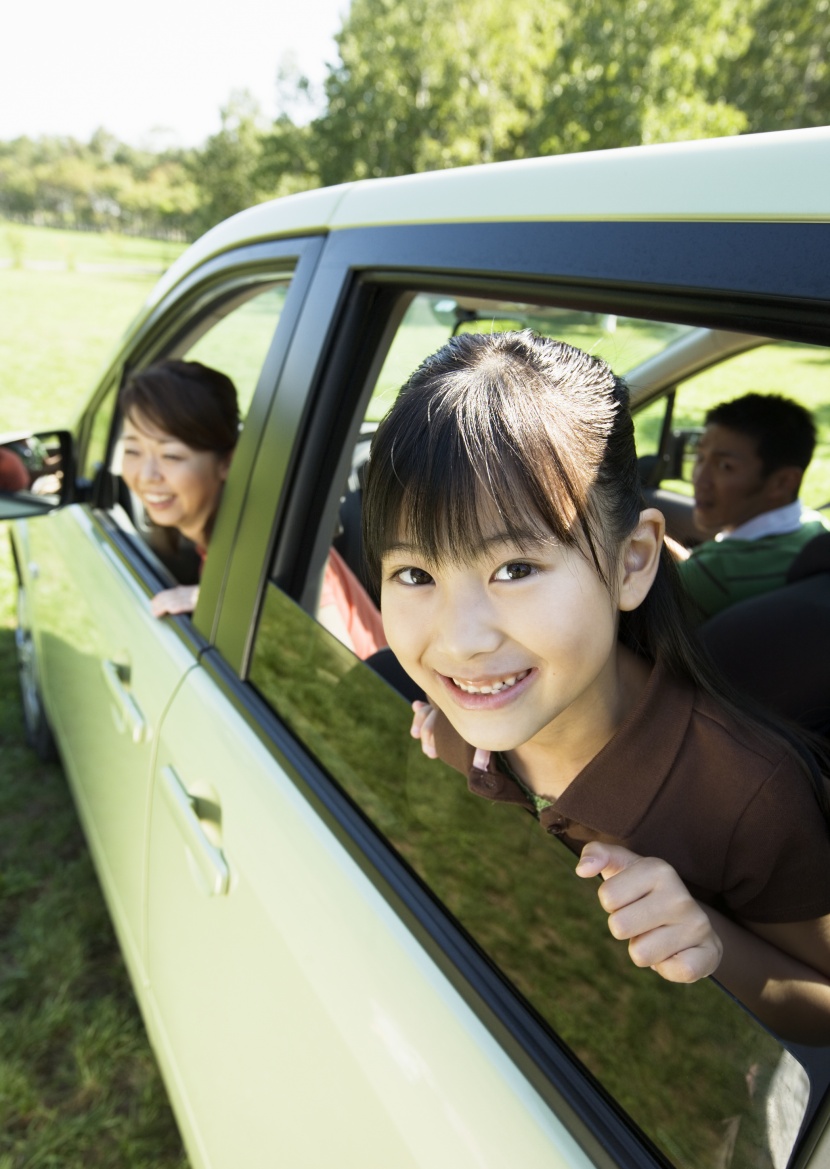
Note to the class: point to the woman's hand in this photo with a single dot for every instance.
(181, 599)
(650, 907)
(423, 727)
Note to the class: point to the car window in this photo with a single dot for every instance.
(98, 435)
(795, 370)
(233, 334)
(238, 341)
(687, 1065)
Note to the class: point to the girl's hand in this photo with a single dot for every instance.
(650, 907)
(181, 599)
(423, 727)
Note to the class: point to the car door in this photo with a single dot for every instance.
(109, 666)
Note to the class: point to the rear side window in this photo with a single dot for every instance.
(789, 368)
(232, 333)
(700, 1078)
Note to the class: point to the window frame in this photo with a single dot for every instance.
(174, 322)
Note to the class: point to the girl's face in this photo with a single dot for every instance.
(517, 646)
(180, 487)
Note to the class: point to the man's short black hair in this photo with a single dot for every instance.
(784, 431)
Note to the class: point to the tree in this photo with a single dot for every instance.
(433, 83)
(225, 171)
(782, 80)
(630, 74)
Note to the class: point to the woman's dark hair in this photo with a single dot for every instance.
(540, 434)
(191, 401)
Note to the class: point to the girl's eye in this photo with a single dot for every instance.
(413, 576)
(514, 570)
(174, 458)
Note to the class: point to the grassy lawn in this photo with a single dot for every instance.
(21, 244)
(79, 1088)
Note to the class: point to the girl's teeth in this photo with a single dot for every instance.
(494, 688)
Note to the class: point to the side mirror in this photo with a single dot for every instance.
(36, 473)
(682, 453)
(676, 461)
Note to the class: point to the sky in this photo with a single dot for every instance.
(154, 72)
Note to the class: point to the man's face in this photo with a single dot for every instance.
(730, 486)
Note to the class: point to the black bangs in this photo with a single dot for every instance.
(470, 451)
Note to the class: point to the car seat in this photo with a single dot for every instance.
(776, 647)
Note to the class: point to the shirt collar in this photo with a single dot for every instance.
(777, 522)
(613, 793)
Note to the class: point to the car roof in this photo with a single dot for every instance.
(782, 176)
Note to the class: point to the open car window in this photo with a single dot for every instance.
(691, 1070)
(790, 368)
(234, 335)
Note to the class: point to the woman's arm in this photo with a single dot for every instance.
(181, 599)
(780, 972)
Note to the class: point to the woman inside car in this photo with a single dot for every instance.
(181, 423)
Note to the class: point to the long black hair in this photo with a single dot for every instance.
(541, 432)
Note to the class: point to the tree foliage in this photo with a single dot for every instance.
(429, 84)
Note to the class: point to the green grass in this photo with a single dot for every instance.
(79, 1087)
(22, 244)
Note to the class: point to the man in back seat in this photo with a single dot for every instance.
(751, 459)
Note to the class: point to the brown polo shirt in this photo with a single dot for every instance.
(681, 779)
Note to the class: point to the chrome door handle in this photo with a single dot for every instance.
(117, 676)
(212, 871)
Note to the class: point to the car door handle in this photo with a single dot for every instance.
(212, 871)
(117, 677)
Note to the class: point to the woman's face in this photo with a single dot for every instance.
(180, 487)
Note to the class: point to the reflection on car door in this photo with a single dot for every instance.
(335, 1031)
(113, 667)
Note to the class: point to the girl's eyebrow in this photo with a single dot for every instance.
(515, 540)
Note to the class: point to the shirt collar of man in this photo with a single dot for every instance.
(777, 522)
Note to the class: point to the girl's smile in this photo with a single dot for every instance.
(486, 693)
(517, 648)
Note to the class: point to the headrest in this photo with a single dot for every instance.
(812, 559)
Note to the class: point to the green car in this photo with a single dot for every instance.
(342, 958)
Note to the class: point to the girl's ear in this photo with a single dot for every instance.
(641, 559)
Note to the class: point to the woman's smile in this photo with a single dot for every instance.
(179, 485)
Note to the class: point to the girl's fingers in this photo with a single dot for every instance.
(649, 907)
(423, 727)
(421, 711)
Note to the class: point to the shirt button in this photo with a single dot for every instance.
(488, 782)
(556, 826)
